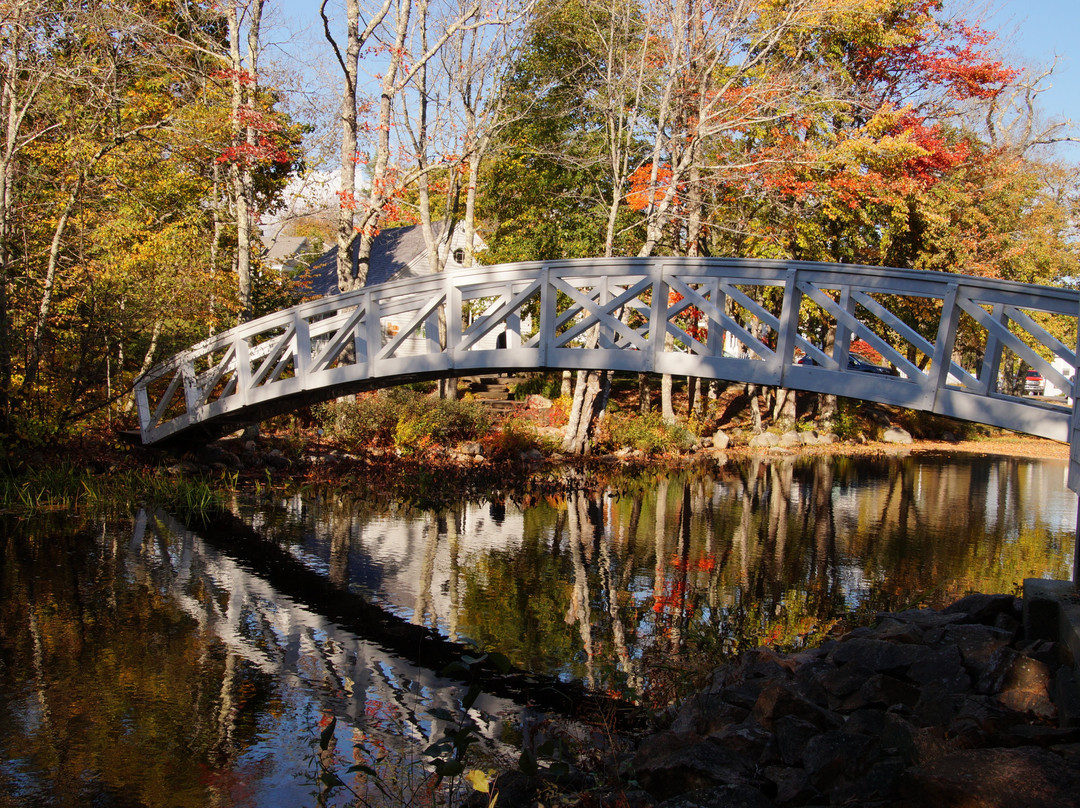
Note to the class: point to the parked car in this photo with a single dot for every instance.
(1034, 383)
(859, 364)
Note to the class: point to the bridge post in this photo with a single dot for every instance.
(789, 323)
(657, 315)
(548, 311)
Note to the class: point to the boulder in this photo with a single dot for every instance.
(896, 434)
(766, 440)
(1025, 777)
(668, 764)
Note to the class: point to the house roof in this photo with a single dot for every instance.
(283, 248)
(391, 252)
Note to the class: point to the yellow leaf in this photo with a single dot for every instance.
(478, 780)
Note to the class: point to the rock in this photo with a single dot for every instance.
(538, 402)
(705, 714)
(826, 438)
(471, 448)
(726, 796)
(747, 740)
(1001, 778)
(941, 668)
(792, 736)
(720, 440)
(914, 745)
(879, 656)
(1025, 688)
(847, 679)
(790, 440)
(896, 435)
(903, 631)
(765, 440)
(532, 457)
(831, 755)
(212, 455)
(977, 644)
(881, 690)
(778, 700)
(792, 784)
(668, 764)
(277, 459)
(984, 609)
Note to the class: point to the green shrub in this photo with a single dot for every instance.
(406, 419)
(548, 385)
(647, 433)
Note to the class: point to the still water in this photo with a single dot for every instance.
(148, 663)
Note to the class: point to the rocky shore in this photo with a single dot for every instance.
(927, 709)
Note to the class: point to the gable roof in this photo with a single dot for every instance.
(392, 251)
(285, 248)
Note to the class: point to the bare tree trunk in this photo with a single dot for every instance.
(644, 393)
(244, 82)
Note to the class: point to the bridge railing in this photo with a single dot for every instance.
(949, 337)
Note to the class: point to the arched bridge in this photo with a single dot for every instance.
(949, 337)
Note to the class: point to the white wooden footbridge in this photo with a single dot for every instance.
(949, 337)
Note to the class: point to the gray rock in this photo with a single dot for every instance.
(792, 784)
(881, 690)
(940, 668)
(778, 700)
(532, 456)
(789, 440)
(668, 764)
(720, 440)
(896, 435)
(904, 631)
(792, 736)
(977, 644)
(879, 656)
(1025, 688)
(985, 609)
(1003, 778)
(765, 440)
(831, 755)
(726, 796)
(914, 745)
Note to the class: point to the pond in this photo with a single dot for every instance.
(147, 662)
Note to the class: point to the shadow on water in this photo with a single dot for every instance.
(143, 662)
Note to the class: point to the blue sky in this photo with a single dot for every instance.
(1036, 31)
(1031, 32)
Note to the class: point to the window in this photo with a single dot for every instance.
(459, 256)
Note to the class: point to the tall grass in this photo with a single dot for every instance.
(67, 487)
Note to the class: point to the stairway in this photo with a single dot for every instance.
(494, 391)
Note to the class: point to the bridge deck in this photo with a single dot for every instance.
(948, 336)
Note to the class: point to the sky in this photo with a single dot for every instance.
(1036, 31)
(1031, 32)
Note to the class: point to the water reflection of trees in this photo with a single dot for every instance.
(607, 586)
(773, 550)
